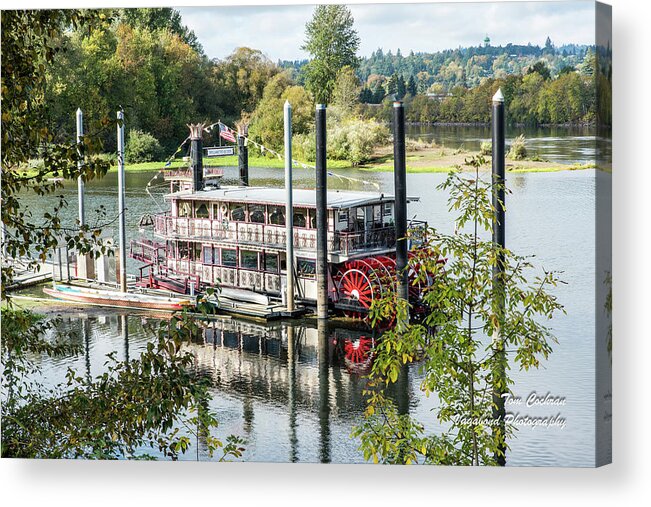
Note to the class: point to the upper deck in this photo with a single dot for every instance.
(305, 198)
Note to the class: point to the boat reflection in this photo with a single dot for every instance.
(303, 379)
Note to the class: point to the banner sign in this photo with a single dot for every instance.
(219, 152)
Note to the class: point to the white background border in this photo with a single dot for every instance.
(626, 482)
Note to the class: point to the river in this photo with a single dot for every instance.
(301, 404)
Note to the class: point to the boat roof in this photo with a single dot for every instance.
(301, 197)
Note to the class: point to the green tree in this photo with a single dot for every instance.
(541, 69)
(347, 89)
(411, 86)
(143, 402)
(462, 340)
(155, 19)
(333, 42)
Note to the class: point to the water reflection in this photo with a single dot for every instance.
(292, 390)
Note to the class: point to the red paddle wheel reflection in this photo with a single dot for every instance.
(358, 354)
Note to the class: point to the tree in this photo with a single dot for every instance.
(347, 89)
(401, 88)
(143, 402)
(461, 340)
(541, 69)
(333, 42)
(155, 19)
(411, 86)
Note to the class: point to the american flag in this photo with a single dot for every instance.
(226, 133)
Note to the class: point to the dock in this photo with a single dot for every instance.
(266, 312)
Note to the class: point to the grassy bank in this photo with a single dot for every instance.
(430, 159)
(440, 159)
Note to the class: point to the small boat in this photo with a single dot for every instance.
(106, 297)
(242, 295)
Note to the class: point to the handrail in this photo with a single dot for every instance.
(272, 235)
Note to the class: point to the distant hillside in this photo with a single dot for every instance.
(440, 72)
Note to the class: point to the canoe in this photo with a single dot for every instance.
(114, 298)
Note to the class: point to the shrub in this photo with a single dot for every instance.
(518, 150)
(486, 148)
(355, 139)
(142, 147)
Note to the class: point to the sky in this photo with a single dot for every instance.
(279, 31)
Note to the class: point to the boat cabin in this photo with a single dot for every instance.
(236, 236)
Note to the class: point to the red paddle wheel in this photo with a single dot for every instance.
(361, 281)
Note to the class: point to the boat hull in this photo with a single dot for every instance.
(117, 299)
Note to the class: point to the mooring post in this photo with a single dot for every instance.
(498, 182)
(196, 152)
(85, 265)
(80, 165)
(289, 207)
(400, 182)
(321, 214)
(243, 157)
(122, 229)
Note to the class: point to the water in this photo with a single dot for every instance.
(305, 412)
(557, 144)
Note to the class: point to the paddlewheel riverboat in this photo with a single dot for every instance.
(235, 237)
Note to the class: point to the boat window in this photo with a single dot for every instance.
(185, 209)
(256, 213)
(271, 263)
(312, 220)
(276, 215)
(343, 216)
(248, 259)
(300, 217)
(306, 268)
(184, 250)
(215, 256)
(229, 258)
(202, 211)
(238, 213)
(207, 255)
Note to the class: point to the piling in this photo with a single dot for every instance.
(196, 152)
(122, 230)
(400, 182)
(85, 264)
(80, 165)
(321, 214)
(243, 158)
(498, 194)
(289, 206)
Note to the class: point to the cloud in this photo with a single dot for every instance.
(279, 31)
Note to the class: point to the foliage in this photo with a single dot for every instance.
(486, 148)
(333, 42)
(154, 401)
(518, 149)
(354, 139)
(142, 147)
(465, 340)
(347, 89)
(267, 121)
(31, 40)
(163, 18)
(242, 77)
(134, 404)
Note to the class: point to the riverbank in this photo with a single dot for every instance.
(436, 159)
(428, 159)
